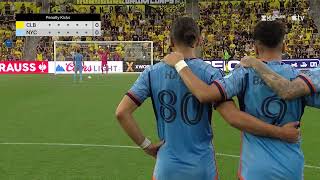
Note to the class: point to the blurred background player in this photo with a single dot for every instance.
(184, 124)
(104, 56)
(261, 158)
(78, 64)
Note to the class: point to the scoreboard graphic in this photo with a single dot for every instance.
(58, 25)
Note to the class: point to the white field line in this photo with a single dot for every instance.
(117, 146)
(65, 144)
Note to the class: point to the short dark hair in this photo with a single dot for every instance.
(269, 33)
(185, 30)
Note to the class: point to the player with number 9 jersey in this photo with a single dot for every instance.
(267, 158)
(183, 123)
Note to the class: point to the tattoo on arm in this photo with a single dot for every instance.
(286, 89)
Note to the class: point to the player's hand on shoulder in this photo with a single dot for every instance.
(153, 149)
(248, 61)
(290, 132)
(173, 58)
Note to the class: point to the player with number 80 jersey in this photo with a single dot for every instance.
(182, 122)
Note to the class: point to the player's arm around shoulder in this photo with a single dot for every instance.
(204, 92)
(246, 122)
(284, 88)
(232, 84)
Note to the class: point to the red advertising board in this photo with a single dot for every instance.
(24, 67)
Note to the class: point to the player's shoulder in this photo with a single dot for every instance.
(239, 69)
(278, 65)
(196, 61)
(315, 70)
(313, 73)
(158, 66)
(203, 66)
(284, 69)
(287, 68)
(196, 65)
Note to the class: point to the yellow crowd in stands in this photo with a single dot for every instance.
(16, 6)
(7, 28)
(225, 29)
(117, 25)
(229, 28)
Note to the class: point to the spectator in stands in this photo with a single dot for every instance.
(92, 9)
(39, 56)
(7, 8)
(23, 9)
(310, 51)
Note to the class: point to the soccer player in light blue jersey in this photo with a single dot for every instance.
(262, 158)
(307, 83)
(184, 127)
(78, 64)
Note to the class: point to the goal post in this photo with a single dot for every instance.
(122, 56)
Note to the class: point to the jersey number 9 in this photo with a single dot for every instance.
(273, 101)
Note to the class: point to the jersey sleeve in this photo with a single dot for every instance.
(312, 79)
(313, 100)
(211, 74)
(140, 90)
(232, 84)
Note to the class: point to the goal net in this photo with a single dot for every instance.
(121, 56)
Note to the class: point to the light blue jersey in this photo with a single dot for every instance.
(183, 123)
(312, 79)
(267, 158)
(78, 58)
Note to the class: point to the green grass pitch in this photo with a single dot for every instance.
(44, 109)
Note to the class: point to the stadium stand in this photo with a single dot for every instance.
(226, 27)
(129, 23)
(11, 47)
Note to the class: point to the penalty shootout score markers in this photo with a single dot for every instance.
(58, 25)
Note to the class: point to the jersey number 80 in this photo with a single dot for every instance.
(168, 100)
